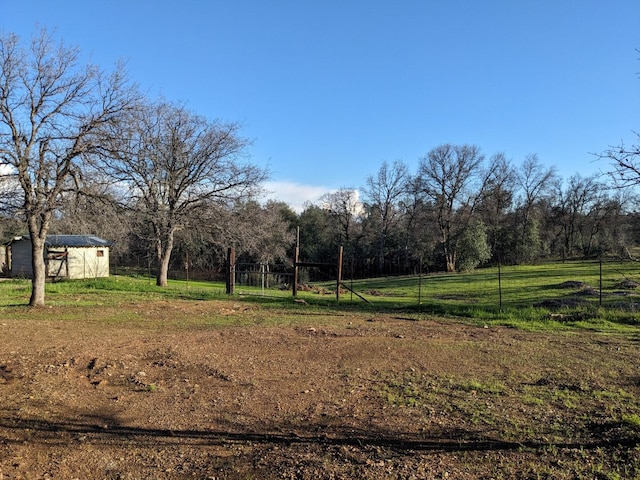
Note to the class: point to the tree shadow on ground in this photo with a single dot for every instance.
(104, 430)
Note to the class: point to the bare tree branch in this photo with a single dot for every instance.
(625, 163)
(51, 107)
(170, 163)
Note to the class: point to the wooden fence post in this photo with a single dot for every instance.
(231, 270)
(296, 272)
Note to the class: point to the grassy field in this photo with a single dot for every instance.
(574, 294)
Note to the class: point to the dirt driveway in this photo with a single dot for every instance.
(320, 396)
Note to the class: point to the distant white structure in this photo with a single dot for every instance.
(65, 256)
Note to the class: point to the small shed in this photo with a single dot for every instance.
(65, 256)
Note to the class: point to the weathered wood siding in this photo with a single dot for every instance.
(21, 259)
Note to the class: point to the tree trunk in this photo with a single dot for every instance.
(164, 257)
(163, 270)
(451, 262)
(447, 246)
(449, 256)
(39, 272)
(381, 247)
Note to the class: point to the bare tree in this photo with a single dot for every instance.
(51, 109)
(171, 164)
(535, 181)
(497, 199)
(345, 208)
(418, 213)
(383, 193)
(588, 218)
(93, 210)
(267, 235)
(573, 204)
(259, 232)
(451, 177)
(625, 162)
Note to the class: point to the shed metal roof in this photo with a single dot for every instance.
(76, 241)
(72, 241)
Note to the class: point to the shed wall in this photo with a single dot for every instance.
(85, 262)
(82, 262)
(21, 259)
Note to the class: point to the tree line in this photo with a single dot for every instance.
(461, 210)
(83, 151)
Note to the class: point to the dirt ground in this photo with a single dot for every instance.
(320, 396)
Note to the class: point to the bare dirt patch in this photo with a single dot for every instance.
(573, 284)
(627, 285)
(169, 394)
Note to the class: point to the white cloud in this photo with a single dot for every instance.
(295, 194)
(6, 169)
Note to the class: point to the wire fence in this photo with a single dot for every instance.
(609, 284)
(558, 286)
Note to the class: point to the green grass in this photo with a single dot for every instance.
(522, 286)
(538, 295)
(108, 291)
(528, 297)
(539, 413)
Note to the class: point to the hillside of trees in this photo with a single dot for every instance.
(83, 152)
(459, 210)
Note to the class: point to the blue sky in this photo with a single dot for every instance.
(328, 90)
